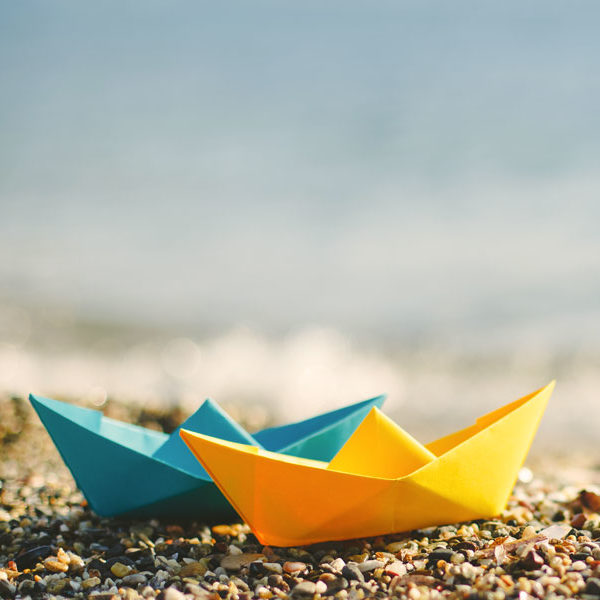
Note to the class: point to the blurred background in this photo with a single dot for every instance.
(291, 206)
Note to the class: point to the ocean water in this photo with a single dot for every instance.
(291, 206)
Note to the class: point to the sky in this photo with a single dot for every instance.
(391, 168)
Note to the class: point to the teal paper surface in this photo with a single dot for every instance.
(123, 469)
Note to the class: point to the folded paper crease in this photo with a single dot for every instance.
(381, 481)
(124, 469)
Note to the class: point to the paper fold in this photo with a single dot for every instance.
(289, 501)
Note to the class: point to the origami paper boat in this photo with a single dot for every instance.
(382, 480)
(123, 469)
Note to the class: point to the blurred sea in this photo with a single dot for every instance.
(292, 207)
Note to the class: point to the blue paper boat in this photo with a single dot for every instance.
(123, 469)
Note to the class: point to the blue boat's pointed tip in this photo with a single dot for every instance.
(48, 403)
(54, 412)
(379, 400)
(36, 400)
(41, 402)
(375, 401)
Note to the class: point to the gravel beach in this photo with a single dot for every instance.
(546, 544)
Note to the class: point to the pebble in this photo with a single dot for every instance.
(294, 567)
(338, 564)
(528, 532)
(305, 588)
(194, 569)
(76, 563)
(223, 530)
(336, 585)
(532, 560)
(590, 500)
(91, 582)
(578, 521)
(55, 565)
(171, 593)
(444, 554)
(28, 560)
(370, 565)
(235, 562)
(396, 568)
(592, 586)
(120, 570)
(273, 567)
(51, 544)
(57, 585)
(7, 590)
(351, 571)
(134, 579)
(395, 547)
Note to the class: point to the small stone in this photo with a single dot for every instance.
(134, 579)
(351, 571)
(578, 521)
(338, 564)
(532, 561)
(223, 530)
(120, 570)
(320, 587)
(275, 580)
(90, 582)
(556, 531)
(255, 569)
(590, 500)
(29, 559)
(194, 569)
(234, 562)
(293, 567)
(396, 568)
(129, 594)
(466, 545)
(25, 587)
(305, 588)
(171, 593)
(273, 567)
(63, 556)
(444, 554)
(7, 590)
(336, 584)
(55, 565)
(76, 563)
(528, 532)
(262, 592)
(195, 590)
(370, 565)
(593, 586)
(56, 586)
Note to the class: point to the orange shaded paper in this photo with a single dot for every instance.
(289, 501)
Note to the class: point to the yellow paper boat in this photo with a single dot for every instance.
(381, 481)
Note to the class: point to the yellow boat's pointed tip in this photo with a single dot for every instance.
(547, 389)
(184, 434)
